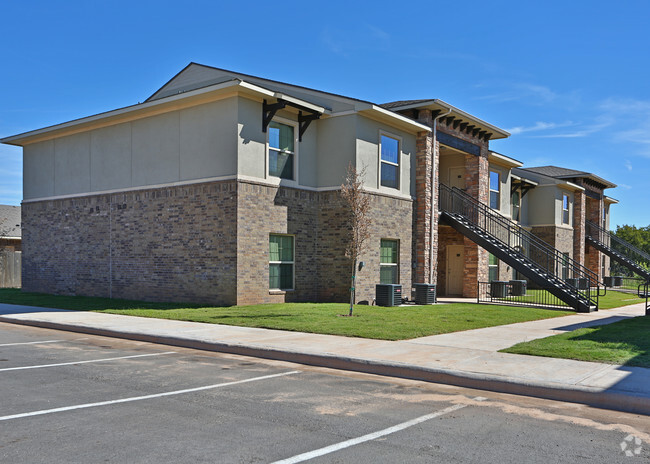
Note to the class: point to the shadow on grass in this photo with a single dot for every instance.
(594, 323)
(13, 296)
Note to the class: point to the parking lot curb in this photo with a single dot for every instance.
(605, 399)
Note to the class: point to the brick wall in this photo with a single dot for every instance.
(594, 213)
(171, 244)
(205, 243)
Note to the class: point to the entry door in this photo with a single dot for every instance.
(457, 177)
(455, 266)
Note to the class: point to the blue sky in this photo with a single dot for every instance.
(569, 80)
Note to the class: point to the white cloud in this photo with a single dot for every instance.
(539, 126)
(580, 132)
(365, 37)
(628, 165)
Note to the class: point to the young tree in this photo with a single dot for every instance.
(358, 206)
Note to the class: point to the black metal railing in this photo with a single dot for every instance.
(506, 293)
(522, 243)
(644, 292)
(617, 244)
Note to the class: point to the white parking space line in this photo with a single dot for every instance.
(145, 397)
(32, 343)
(371, 436)
(83, 362)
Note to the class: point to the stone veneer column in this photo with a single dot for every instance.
(594, 213)
(423, 187)
(476, 258)
(579, 225)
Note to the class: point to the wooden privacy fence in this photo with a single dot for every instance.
(10, 269)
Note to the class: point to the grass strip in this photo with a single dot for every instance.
(395, 323)
(625, 342)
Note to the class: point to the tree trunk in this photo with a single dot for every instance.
(352, 290)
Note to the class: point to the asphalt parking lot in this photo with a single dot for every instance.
(74, 398)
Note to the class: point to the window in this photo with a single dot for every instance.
(493, 268)
(565, 208)
(565, 266)
(281, 150)
(390, 152)
(516, 205)
(281, 262)
(495, 189)
(389, 262)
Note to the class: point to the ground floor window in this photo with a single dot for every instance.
(281, 262)
(389, 262)
(493, 268)
(565, 266)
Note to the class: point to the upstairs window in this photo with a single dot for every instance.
(388, 262)
(390, 152)
(516, 205)
(281, 150)
(565, 208)
(495, 190)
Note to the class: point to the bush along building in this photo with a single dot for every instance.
(223, 188)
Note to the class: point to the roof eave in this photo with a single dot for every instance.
(144, 109)
(394, 119)
(504, 160)
(437, 104)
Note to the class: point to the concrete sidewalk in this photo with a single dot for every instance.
(468, 359)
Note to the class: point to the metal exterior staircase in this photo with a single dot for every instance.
(619, 250)
(527, 254)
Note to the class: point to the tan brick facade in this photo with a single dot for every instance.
(205, 243)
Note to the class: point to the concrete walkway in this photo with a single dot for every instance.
(468, 359)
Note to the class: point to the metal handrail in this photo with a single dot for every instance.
(606, 238)
(454, 200)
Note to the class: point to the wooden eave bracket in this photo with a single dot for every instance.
(269, 110)
(304, 121)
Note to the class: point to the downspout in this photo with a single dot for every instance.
(433, 194)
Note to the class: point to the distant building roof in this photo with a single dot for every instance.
(564, 173)
(10, 221)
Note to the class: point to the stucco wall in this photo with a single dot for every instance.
(192, 143)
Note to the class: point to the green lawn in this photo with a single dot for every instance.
(612, 299)
(626, 342)
(396, 323)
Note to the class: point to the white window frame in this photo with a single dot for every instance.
(293, 264)
(296, 157)
(396, 265)
(383, 133)
(498, 192)
(568, 208)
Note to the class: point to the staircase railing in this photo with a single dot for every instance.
(617, 244)
(561, 266)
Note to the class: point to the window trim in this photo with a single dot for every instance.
(396, 264)
(296, 149)
(567, 210)
(293, 263)
(383, 133)
(498, 192)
